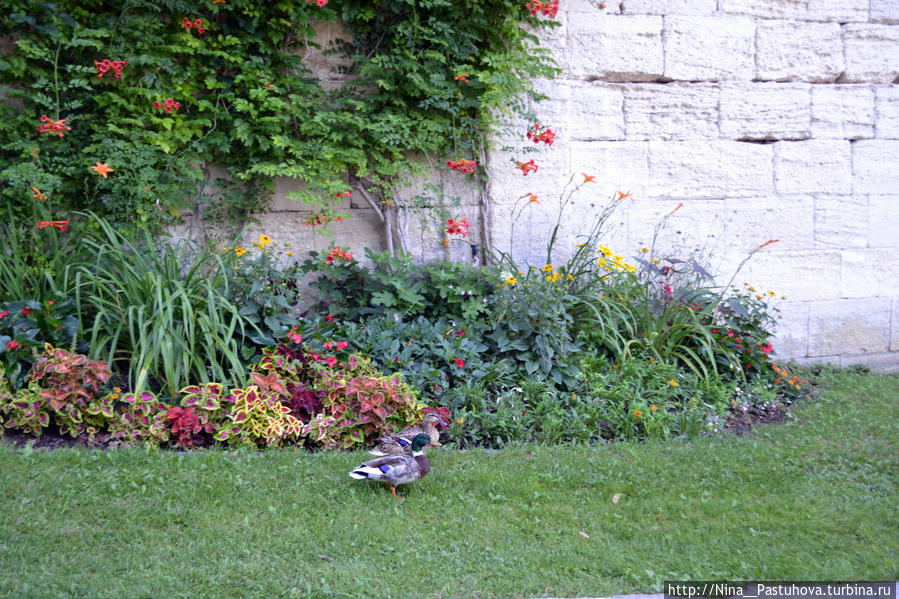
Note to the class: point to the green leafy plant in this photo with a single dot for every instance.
(264, 282)
(25, 326)
(159, 94)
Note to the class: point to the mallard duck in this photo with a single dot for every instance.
(397, 469)
(400, 443)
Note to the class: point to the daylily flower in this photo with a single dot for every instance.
(589, 178)
(37, 194)
(102, 169)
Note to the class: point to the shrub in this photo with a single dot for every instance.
(26, 326)
(533, 327)
(263, 283)
(434, 356)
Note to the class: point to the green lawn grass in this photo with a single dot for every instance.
(812, 499)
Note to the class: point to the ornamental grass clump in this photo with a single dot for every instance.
(158, 312)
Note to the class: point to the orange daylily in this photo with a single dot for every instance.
(37, 194)
(589, 178)
(102, 169)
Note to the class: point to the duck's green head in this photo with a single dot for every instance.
(420, 440)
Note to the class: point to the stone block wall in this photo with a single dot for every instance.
(767, 120)
(774, 119)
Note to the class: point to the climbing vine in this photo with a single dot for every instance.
(201, 105)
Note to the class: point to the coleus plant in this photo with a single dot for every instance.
(142, 420)
(360, 405)
(69, 383)
(188, 425)
(258, 419)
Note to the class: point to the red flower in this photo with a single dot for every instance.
(4, 314)
(548, 8)
(463, 77)
(52, 126)
(62, 225)
(332, 361)
(527, 167)
(26, 311)
(459, 362)
(462, 165)
(336, 253)
(107, 65)
(547, 136)
(457, 227)
(12, 345)
(168, 106)
(341, 345)
(329, 317)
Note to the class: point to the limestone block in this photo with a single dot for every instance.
(671, 111)
(765, 111)
(887, 110)
(616, 165)
(800, 276)
(871, 52)
(598, 111)
(712, 169)
(841, 222)
(756, 220)
(578, 9)
(670, 7)
(884, 11)
(894, 326)
(870, 272)
(838, 11)
(770, 9)
(324, 64)
(849, 326)
(791, 335)
(874, 167)
(887, 363)
(812, 167)
(797, 51)
(843, 112)
(615, 48)
(692, 230)
(883, 221)
(709, 48)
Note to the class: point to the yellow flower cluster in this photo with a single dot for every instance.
(264, 243)
(611, 261)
